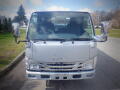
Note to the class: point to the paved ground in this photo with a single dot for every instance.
(111, 48)
(107, 74)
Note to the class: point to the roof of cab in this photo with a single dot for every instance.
(61, 11)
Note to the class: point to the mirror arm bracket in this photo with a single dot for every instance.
(18, 41)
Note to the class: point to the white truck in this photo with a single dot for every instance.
(61, 45)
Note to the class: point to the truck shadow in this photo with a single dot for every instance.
(107, 77)
(13, 80)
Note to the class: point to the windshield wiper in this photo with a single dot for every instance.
(63, 40)
(37, 40)
(53, 39)
(81, 39)
(56, 39)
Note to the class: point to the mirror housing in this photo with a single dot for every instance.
(16, 35)
(100, 38)
(103, 37)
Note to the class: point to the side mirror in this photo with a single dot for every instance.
(103, 36)
(100, 38)
(17, 36)
(97, 26)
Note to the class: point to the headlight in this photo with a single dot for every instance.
(34, 67)
(27, 65)
(88, 65)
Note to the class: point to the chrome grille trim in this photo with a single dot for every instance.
(61, 66)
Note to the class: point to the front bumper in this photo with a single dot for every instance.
(60, 75)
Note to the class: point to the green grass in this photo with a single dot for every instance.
(97, 31)
(112, 33)
(9, 49)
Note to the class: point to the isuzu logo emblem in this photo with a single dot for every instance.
(60, 63)
(57, 59)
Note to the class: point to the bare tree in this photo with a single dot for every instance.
(116, 19)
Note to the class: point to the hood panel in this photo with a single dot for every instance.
(60, 52)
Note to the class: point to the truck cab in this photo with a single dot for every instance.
(61, 45)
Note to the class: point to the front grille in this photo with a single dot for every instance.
(60, 67)
(61, 64)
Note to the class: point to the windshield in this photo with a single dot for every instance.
(60, 25)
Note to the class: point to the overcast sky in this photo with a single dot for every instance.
(10, 7)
